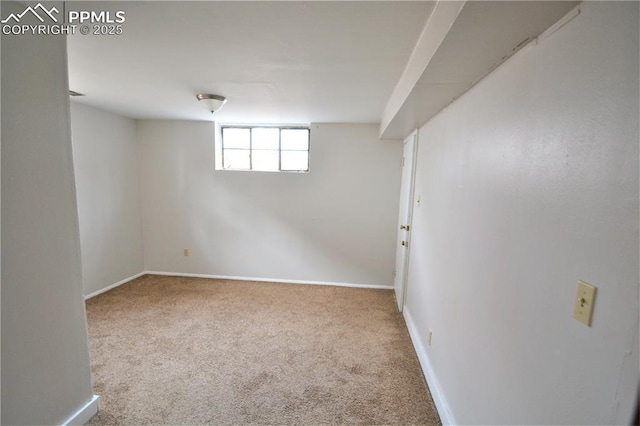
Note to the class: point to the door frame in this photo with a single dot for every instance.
(409, 220)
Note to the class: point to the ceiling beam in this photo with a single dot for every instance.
(436, 28)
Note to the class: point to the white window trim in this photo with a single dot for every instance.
(219, 147)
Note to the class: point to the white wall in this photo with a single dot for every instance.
(45, 357)
(528, 183)
(105, 154)
(334, 224)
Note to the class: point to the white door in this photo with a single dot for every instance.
(404, 218)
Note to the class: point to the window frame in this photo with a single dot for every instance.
(250, 127)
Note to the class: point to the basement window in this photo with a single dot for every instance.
(264, 149)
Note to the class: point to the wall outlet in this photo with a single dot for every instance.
(186, 252)
(429, 338)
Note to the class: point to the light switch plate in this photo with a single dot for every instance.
(583, 303)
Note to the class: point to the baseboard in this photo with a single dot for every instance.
(114, 285)
(271, 280)
(83, 415)
(434, 386)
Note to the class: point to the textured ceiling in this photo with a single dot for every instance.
(276, 62)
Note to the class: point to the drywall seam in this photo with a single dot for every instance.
(525, 45)
(271, 280)
(527, 42)
(444, 411)
(519, 50)
(84, 414)
(573, 13)
(114, 285)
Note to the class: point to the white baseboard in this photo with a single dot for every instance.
(434, 386)
(83, 415)
(114, 285)
(271, 280)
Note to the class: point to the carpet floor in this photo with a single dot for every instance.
(172, 350)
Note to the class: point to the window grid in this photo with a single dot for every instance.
(280, 150)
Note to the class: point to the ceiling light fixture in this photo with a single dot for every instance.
(213, 102)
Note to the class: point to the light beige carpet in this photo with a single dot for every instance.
(169, 350)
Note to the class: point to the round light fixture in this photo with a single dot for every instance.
(213, 102)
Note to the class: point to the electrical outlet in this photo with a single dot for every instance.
(186, 252)
(429, 338)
